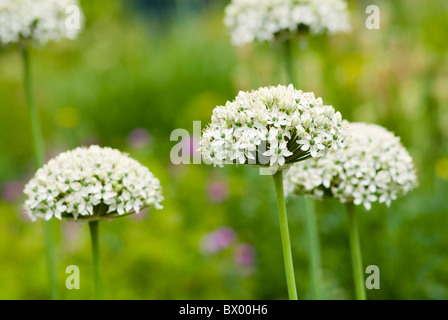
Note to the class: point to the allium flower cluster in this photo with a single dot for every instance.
(39, 20)
(374, 167)
(263, 20)
(91, 183)
(272, 127)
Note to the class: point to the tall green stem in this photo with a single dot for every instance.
(50, 256)
(289, 61)
(94, 237)
(355, 246)
(286, 243)
(38, 145)
(39, 154)
(314, 249)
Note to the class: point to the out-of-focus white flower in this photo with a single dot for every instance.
(91, 183)
(374, 167)
(263, 20)
(272, 127)
(38, 20)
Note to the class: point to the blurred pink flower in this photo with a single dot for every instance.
(218, 191)
(12, 191)
(217, 240)
(191, 145)
(140, 216)
(245, 259)
(71, 232)
(245, 254)
(139, 138)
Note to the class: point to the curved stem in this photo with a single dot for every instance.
(94, 237)
(355, 246)
(314, 249)
(38, 153)
(286, 243)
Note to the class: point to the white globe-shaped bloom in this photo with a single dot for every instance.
(374, 167)
(91, 183)
(263, 20)
(272, 127)
(38, 20)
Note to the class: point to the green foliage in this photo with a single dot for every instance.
(126, 72)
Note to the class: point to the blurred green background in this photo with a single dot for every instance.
(141, 69)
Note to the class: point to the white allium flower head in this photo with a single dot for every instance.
(38, 20)
(91, 183)
(263, 20)
(272, 127)
(374, 167)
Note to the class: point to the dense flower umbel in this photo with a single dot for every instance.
(272, 127)
(38, 20)
(373, 167)
(263, 20)
(91, 183)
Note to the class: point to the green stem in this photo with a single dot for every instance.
(286, 243)
(314, 249)
(50, 257)
(38, 145)
(355, 246)
(94, 237)
(289, 61)
(38, 152)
